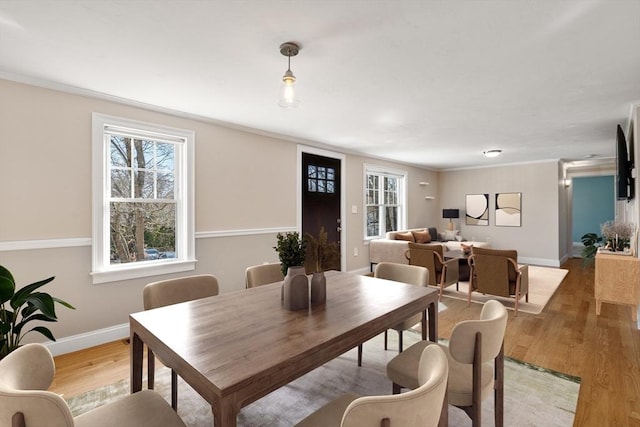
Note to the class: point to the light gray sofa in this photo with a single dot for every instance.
(390, 249)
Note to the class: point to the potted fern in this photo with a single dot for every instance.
(22, 306)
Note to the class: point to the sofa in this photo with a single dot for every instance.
(394, 245)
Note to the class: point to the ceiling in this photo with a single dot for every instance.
(431, 83)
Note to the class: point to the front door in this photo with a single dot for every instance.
(321, 201)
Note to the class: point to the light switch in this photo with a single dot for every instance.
(354, 209)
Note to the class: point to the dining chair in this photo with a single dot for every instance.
(263, 274)
(476, 363)
(410, 274)
(417, 408)
(496, 272)
(27, 373)
(174, 291)
(442, 273)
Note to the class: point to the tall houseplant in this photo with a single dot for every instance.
(22, 306)
(291, 250)
(322, 255)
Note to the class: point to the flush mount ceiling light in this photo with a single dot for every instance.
(288, 98)
(492, 153)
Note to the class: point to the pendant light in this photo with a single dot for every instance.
(288, 98)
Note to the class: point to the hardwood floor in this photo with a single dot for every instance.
(566, 337)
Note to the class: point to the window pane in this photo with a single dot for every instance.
(120, 151)
(165, 156)
(330, 187)
(373, 221)
(155, 240)
(322, 186)
(143, 184)
(311, 171)
(391, 218)
(143, 154)
(165, 185)
(322, 172)
(121, 183)
(312, 185)
(331, 174)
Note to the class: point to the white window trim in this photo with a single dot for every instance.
(382, 170)
(102, 270)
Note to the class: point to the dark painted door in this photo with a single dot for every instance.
(321, 178)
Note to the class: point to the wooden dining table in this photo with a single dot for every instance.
(239, 346)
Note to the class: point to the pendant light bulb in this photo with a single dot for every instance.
(288, 98)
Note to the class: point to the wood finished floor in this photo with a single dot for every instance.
(566, 337)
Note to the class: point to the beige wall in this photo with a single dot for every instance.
(537, 239)
(245, 187)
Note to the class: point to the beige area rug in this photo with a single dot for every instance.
(533, 396)
(543, 282)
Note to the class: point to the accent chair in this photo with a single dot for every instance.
(263, 274)
(441, 273)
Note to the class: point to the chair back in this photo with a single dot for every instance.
(494, 271)
(492, 325)
(263, 274)
(182, 289)
(424, 255)
(411, 274)
(25, 375)
(416, 408)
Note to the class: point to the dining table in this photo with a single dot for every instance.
(239, 346)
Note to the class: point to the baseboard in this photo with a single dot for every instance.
(88, 339)
(539, 261)
(362, 271)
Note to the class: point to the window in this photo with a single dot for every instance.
(142, 198)
(321, 179)
(384, 201)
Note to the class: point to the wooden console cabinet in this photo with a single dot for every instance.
(617, 281)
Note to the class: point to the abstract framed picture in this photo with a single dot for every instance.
(477, 209)
(508, 209)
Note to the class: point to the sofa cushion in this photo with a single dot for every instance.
(421, 236)
(408, 236)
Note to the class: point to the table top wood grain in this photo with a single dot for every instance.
(237, 347)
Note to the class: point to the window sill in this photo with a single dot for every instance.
(131, 271)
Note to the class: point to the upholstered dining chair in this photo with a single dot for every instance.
(27, 373)
(441, 273)
(410, 274)
(174, 291)
(418, 408)
(496, 272)
(263, 274)
(476, 363)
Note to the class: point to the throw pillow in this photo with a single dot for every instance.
(421, 236)
(408, 236)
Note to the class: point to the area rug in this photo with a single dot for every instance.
(543, 282)
(533, 396)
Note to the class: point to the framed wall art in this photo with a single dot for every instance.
(508, 209)
(477, 209)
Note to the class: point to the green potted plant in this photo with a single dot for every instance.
(591, 242)
(22, 306)
(291, 250)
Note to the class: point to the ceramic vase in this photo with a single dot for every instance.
(318, 288)
(295, 289)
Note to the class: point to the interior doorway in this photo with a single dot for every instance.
(321, 197)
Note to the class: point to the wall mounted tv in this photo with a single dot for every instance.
(625, 182)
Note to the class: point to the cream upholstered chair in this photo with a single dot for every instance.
(174, 291)
(26, 374)
(441, 273)
(263, 274)
(476, 363)
(496, 272)
(418, 408)
(411, 274)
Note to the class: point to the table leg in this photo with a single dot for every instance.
(137, 354)
(433, 321)
(424, 325)
(225, 414)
